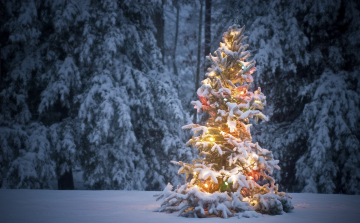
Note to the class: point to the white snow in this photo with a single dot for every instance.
(137, 206)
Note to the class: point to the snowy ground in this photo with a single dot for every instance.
(136, 206)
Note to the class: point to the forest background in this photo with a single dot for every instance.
(101, 89)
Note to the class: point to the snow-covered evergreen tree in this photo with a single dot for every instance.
(86, 76)
(64, 138)
(314, 42)
(333, 100)
(22, 57)
(123, 105)
(328, 49)
(25, 150)
(33, 168)
(233, 174)
(334, 146)
(56, 61)
(62, 83)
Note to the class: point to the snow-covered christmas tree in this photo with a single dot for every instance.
(233, 174)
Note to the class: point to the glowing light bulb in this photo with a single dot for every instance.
(226, 183)
(251, 177)
(194, 173)
(257, 101)
(206, 185)
(212, 139)
(206, 81)
(211, 74)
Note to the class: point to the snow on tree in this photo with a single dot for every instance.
(312, 39)
(233, 174)
(122, 108)
(56, 60)
(64, 138)
(328, 68)
(280, 48)
(25, 154)
(62, 83)
(23, 33)
(12, 140)
(108, 159)
(62, 78)
(330, 112)
(89, 73)
(33, 168)
(158, 130)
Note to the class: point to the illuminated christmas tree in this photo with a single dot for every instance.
(232, 175)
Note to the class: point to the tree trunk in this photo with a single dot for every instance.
(197, 79)
(159, 22)
(177, 6)
(66, 181)
(207, 31)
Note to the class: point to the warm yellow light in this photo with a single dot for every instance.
(251, 177)
(212, 139)
(206, 81)
(194, 173)
(196, 186)
(211, 74)
(206, 185)
(257, 101)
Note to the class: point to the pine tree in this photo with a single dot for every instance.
(232, 174)
(25, 150)
(62, 84)
(299, 46)
(110, 150)
(128, 142)
(87, 78)
(33, 168)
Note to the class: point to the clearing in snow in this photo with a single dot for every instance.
(36, 206)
